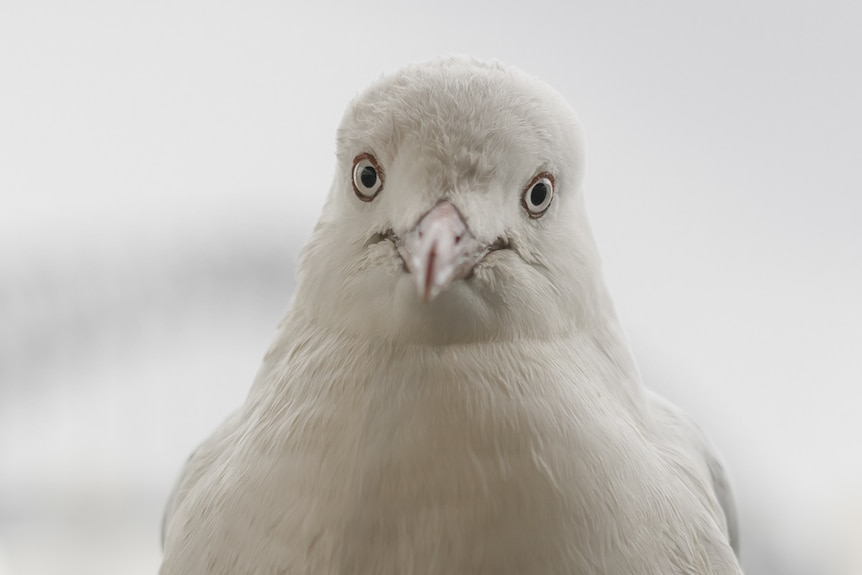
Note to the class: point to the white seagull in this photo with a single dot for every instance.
(450, 392)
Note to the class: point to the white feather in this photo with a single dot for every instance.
(501, 428)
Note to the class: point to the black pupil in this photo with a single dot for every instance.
(368, 176)
(537, 194)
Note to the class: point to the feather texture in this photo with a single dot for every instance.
(501, 428)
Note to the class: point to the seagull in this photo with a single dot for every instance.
(450, 391)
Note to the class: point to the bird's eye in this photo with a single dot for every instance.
(367, 177)
(538, 195)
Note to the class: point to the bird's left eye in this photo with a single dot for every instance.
(538, 195)
(367, 177)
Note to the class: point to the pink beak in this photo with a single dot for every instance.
(440, 250)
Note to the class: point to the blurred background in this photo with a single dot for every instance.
(161, 164)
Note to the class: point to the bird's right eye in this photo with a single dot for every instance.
(367, 177)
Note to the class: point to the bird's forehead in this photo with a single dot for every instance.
(474, 117)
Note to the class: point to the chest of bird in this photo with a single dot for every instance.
(432, 454)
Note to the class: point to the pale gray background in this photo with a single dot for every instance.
(162, 162)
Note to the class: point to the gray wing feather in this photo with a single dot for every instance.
(696, 444)
(722, 487)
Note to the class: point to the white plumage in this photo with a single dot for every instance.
(450, 391)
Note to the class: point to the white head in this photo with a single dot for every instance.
(456, 213)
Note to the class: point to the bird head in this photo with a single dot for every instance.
(456, 212)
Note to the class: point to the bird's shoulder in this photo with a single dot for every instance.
(686, 445)
(196, 466)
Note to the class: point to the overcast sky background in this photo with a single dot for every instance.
(161, 164)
